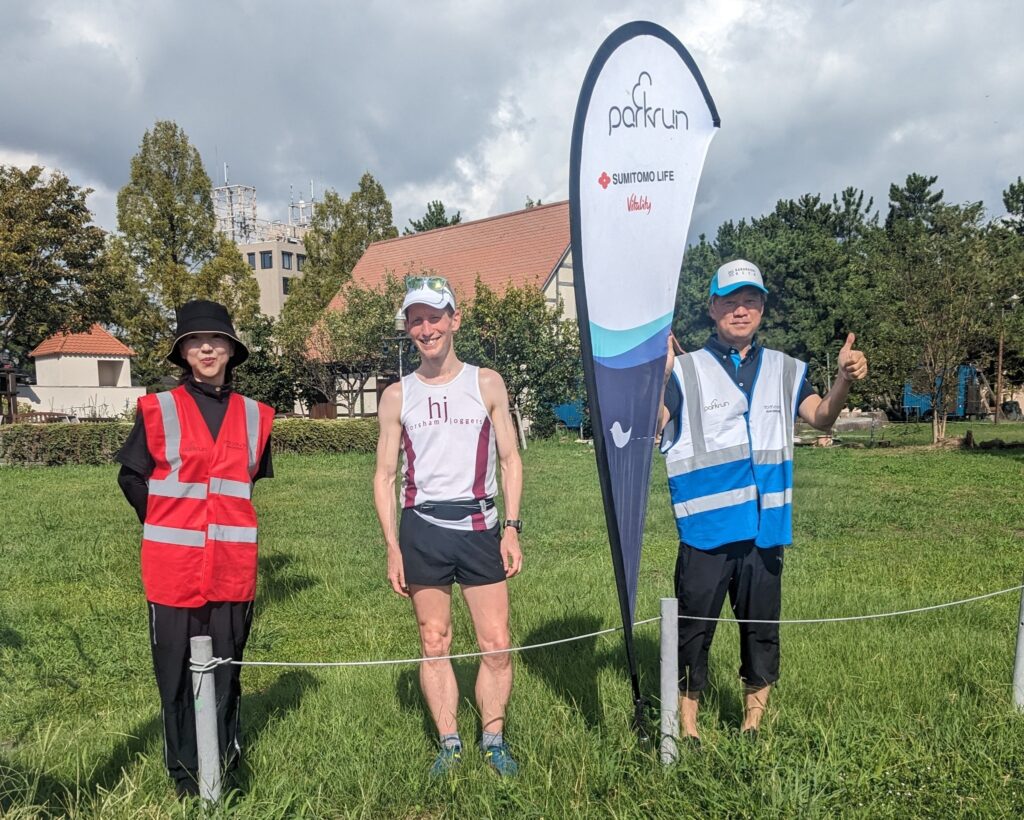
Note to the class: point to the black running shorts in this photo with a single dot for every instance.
(438, 556)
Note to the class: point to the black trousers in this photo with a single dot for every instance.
(753, 579)
(170, 628)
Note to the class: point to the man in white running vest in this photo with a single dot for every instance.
(451, 423)
(728, 436)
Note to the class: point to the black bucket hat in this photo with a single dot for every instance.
(201, 316)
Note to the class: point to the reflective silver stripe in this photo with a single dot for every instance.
(693, 403)
(172, 430)
(169, 488)
(235, 489)
(173, 535)
(740, 452)
(789, 373)
(222, 532)
(771, 500)
(770, 456)
(716, 501)
(252, 430)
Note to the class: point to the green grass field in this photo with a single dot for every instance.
(909, 717)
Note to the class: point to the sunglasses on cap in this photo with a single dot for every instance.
(437, 284)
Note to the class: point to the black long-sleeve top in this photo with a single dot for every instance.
(137, 464)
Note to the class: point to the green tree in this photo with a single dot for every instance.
(526, 340)
(339, 234)
(1006, 317)
(915, 200)
(1013, 200)
(265, 375)
(935, 290)
(165, 213)
(811, 253)
(168, 251)
(435, 217)
(226, 278)
(341, 230)
(346, 346)
(51, 272)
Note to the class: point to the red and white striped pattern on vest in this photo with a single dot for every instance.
(199, 537)
(448, 449)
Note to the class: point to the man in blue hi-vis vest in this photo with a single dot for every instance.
(727, 437)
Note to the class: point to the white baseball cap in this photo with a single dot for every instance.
(735, 275)
(428, 290)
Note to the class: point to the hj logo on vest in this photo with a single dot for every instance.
(441, 406)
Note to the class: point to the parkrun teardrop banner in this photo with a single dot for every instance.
(643, 125)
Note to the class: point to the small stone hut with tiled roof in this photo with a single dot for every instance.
(82, 374)
(527, 247)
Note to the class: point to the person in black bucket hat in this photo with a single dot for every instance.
(200, 317)
(188, 468)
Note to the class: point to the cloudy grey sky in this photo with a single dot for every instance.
(472, 102)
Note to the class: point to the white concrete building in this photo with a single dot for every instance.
(83, 374)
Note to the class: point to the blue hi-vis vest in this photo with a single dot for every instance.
(730, 467)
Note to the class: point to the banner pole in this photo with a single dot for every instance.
(1018, 664)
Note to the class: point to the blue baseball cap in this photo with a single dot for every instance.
(735, 275)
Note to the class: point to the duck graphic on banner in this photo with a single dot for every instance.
(643, 125)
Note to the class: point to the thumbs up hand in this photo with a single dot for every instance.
(853, 364)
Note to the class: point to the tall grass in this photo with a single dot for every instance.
(896, 718)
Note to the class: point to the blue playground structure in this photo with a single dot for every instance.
(965, 403)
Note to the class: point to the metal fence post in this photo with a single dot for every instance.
(207, 743)
(669, 680)
(1018, 663)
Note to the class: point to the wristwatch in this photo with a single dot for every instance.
(514, 523)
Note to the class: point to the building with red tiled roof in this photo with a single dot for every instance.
(82, 374)
(530, 246)
(527, 247)
(94, 342)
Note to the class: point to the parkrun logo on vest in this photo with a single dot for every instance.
(715, 405)
(642, 115)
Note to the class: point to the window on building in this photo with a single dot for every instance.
(300, 261)
(286, 284)
(286, 260)
(266, 259)
(252, 259)
(109, 373)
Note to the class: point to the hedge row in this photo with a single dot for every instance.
(341, 436)
(96, 443)
(61, 443)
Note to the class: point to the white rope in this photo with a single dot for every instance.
(215, 662)
(856, 617)
(399, 661)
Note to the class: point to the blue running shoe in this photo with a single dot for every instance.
(500, 759)
(447, 759)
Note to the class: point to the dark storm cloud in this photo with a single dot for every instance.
(473, 102)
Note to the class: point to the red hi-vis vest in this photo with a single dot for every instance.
(199, 537)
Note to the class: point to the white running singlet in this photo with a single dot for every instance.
(448, 447)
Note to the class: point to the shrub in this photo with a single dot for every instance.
(55, 444)
(341, 436)
(97, 443)
(544, 422)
